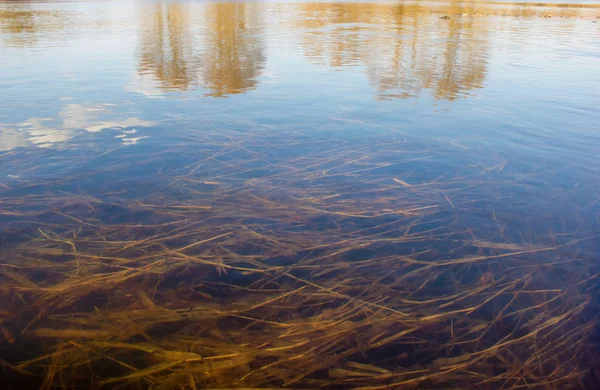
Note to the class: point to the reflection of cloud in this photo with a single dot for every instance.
(145, 84)
(132, 141)
(44, 136)
(224, 51)
(11, 139)
(46, 132)
(127, 140)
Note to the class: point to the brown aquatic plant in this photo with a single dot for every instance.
(253, 266)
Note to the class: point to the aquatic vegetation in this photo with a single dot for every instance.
(246, 260)
(297, 232)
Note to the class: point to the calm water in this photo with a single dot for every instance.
(499, 78)
(330, 113)
(503, 88)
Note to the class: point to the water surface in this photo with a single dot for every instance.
(376, 156)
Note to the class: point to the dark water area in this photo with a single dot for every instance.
(280, 194)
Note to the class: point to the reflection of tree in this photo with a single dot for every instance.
(226, 57)
(166, 52)
(460, 63)
(17, 21)
(405, 47)
(235, 48)
(21, 26)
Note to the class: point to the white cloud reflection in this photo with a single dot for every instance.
(11, 139)
(72, 119)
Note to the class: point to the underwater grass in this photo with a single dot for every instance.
(248, 261)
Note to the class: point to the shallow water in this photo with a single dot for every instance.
(337, 130)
